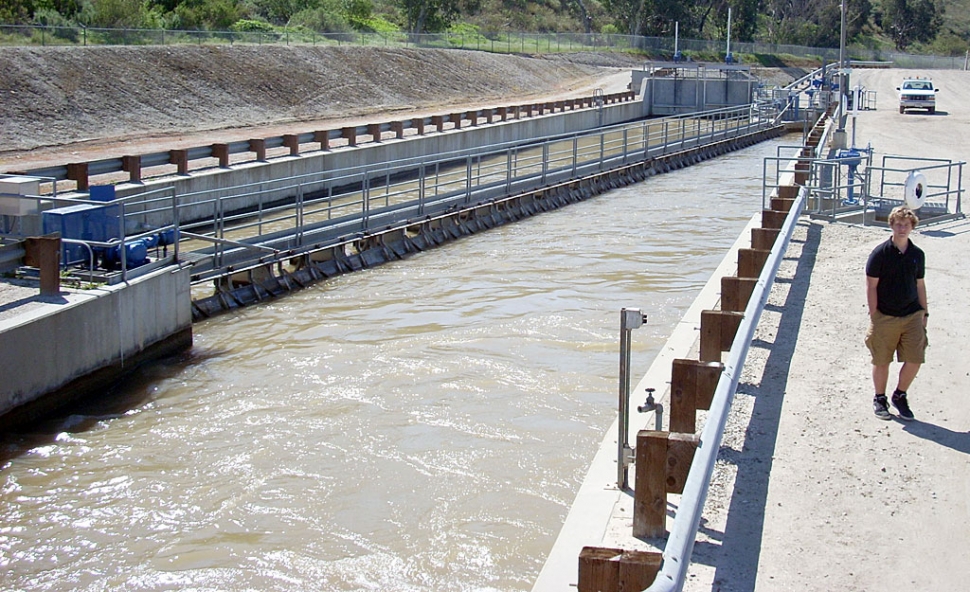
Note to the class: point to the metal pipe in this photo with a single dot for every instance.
(630, 319)
(680, 543)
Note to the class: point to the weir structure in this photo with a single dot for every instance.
(256, 230)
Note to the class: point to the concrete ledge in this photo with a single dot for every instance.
(590, 515)
(69, 346)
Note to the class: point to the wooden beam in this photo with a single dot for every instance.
(680, 455)
(736, 292)
(603, 569)
(717, 333)
(763, 239)
(692, 385)
(650, 485)
(751, 262)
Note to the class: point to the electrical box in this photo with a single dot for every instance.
(90, 222)
(14, 186)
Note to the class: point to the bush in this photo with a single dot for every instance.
(62, 28)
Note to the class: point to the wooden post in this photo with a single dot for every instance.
(763, 239)
(350, 133)
(439, 122)
(736, 292)
(603, 569)
(782, 204)
(258, 145)
(44, 253)
(398, 128)
(662, 464)
(292, 141)
(322, 136)
(221, 151)
(374, 130)
(132, 165)
(418, 124)
(751, 262)
(773, 219)
(680, 455)
(650, 486)
(717, 333)
(78, 171)
(180, 158)
(692, 385)
(456, 119)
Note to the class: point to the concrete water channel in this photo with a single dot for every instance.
(253, 245)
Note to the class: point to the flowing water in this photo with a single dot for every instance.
(423, 425)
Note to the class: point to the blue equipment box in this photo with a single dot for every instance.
(92, 222)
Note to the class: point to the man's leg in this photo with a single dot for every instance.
(880, 377)
(906, 375)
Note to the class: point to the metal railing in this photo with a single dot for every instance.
(683, 532)
(243, 225)
(234, 228)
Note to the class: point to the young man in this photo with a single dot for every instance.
(896, 294)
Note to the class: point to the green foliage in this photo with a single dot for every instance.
(428, 16)
(327, 18)
(252, 26)
(938, 26)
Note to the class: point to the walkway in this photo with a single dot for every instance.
(812, 492)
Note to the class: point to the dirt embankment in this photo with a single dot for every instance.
(62, 96)
(63, 104)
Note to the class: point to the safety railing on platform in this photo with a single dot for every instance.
(331, 205)
(683, 533)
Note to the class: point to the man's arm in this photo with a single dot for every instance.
(921, 293)
(872, 298)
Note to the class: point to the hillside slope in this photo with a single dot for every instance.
(57, 96)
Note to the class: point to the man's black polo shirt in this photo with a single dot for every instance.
(897, 273)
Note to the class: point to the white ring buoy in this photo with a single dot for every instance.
(914, 193)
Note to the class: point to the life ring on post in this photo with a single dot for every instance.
(914, 191)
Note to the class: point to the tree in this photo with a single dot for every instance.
(429, 15)
(911, 21)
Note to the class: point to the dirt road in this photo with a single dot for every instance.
(813, 492)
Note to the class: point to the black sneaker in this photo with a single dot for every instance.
(881, 407)
(902, 406)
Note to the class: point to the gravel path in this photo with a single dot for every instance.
(812, 492)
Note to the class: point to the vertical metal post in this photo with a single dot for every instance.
(630, 319)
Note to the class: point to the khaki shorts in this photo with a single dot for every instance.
(906, 336)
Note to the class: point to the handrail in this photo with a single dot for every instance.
(133, 164)
(680, 543)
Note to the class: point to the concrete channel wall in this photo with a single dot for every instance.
(376, 154)
(82, 340)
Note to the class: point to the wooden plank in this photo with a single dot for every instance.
(638, 570)
(683, 407)
(599, 569)
(680, 454)
(751, 262)
(736, 292)
(650, 485)
(718, 328)
(763, 239)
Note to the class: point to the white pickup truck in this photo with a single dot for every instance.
(917, 93)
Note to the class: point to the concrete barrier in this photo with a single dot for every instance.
(73, 346)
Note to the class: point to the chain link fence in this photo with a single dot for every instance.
(525, 43)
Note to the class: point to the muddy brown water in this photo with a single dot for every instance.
(423, 425)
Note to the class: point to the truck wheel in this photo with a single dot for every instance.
(902, 109)
(932, 110)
